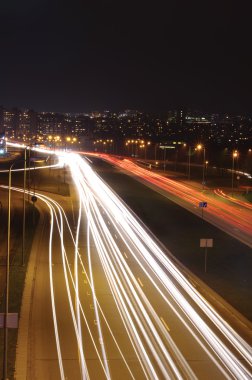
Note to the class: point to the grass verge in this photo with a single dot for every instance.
(17, 278)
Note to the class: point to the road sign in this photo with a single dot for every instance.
(206, 243)
(166, 147)
(12, 320)
(203, 204)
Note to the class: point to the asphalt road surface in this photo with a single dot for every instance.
(107, 303)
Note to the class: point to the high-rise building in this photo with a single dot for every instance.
(50, 123)
(11, 122)
(26, 129)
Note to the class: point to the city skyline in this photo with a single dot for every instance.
(105, 56)
(176, 126)
(197, 112)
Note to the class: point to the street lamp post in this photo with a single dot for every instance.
(234, 155)
(5, 358)
(206, 163)
(33, 201)
(141, 146)
(127, 148)
(145, 149)
(136, 148)
(34, 183)
(155, 154)
(204, 167)
(249, 160)
(29, 175)
(23, 235)
(199, 147)
(189, 163)
(164, 159)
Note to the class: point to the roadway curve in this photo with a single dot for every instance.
(108, 303)
(232, 216)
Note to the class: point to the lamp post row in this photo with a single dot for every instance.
(7, 280)
(235, 154)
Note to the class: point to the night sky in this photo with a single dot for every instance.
(80, 56)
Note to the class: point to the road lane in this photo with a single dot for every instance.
(107, 322)
(108, 265)
(232, 217)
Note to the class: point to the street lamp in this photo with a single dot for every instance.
(145, 153)
(206, 163)
(234, 155)
(248, 160)
(189, 163)
(132, 148)
(141, 146)
(23, 236)
(130, 145)
(5, 358)
(136, 148)
(164, 147)
(200, 147)
(127, 148)
(67, 140)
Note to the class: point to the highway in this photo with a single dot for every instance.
(108, 303)
(227, 213)
(133, 313)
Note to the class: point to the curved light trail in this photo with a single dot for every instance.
(239, 202)
(151, 296)
(118, 216)
(228, 213)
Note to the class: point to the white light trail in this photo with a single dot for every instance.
(127, 251)
(111, 275)
(104, 355)
(120, 213)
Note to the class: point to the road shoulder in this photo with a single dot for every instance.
(21, 363)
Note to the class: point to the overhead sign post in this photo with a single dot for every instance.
(206, 243)
(164, 147)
